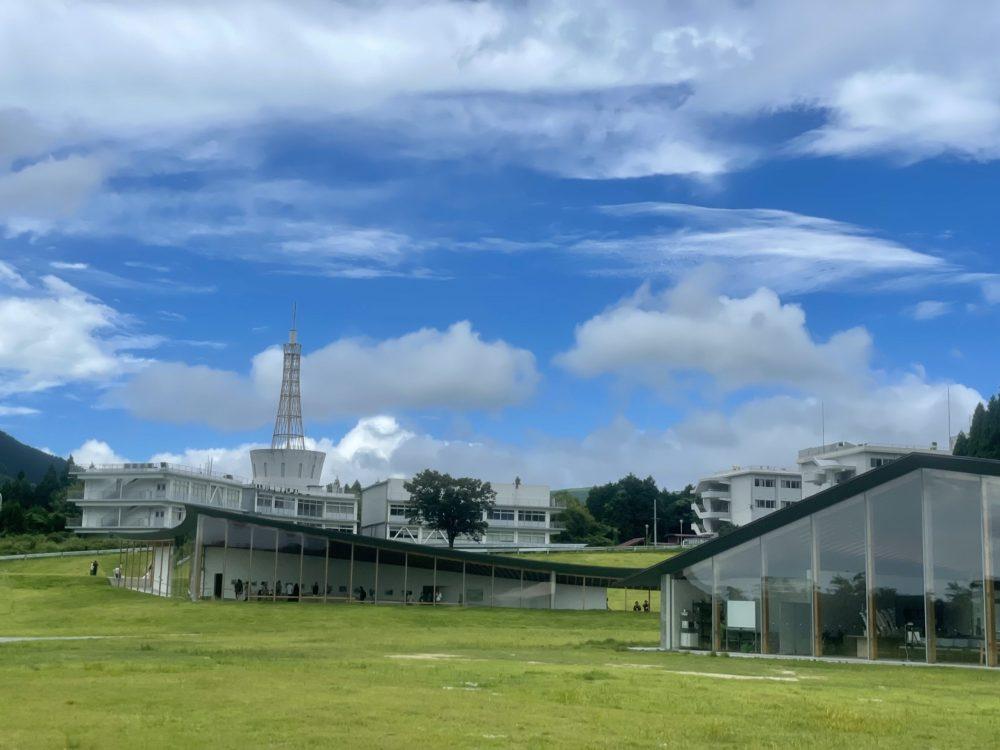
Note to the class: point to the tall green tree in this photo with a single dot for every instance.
(453, 506)
(627, 506)
(579, 524)
(983, 438)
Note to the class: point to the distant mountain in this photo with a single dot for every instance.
(15, 456)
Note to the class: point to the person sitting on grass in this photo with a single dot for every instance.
(636, 607)
(645, 606)
(93, 568)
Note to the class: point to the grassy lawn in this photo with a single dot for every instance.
(247, 675)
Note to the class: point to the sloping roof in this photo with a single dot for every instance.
(650, 577)
(188, 527)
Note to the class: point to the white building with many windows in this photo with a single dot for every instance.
(286, 481)
(742, 495)
(825, 466)
(522, 517)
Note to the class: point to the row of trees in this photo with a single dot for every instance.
(619, 511)
(983, 440)
(37, 508)
(614, 512)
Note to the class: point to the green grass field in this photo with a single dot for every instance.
(240, 675)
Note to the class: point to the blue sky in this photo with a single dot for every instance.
(526, 238)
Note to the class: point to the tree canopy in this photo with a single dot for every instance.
(627, 507)
(579, 524)
(983, 439)
(451, 505)
(37, 508)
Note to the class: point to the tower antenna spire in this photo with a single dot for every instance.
(288, 432)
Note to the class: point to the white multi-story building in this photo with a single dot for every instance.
(523, 516)
(827, 465)
(742, 495)
(286, 481)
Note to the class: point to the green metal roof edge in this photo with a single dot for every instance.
(188, 526)
(650, 576)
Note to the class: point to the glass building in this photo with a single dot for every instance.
(899, 564)
(217, 554)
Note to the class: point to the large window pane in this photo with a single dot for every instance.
(737, 578)
(898, 585)
(993, 584)
(788, 589)
(840, 581)
(692, 607)
(953, 503)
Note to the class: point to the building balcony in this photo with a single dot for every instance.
(710, 513)
(715, 494)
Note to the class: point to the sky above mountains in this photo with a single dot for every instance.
(555, 240)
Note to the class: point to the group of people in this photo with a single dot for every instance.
(644, 607)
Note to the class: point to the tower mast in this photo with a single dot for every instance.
(288, 432)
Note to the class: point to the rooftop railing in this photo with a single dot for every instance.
(157, 466)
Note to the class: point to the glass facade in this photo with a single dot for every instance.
(788, 590)
(907, 571)
(841, 581)
(897, 599)
(738, 598)
(243, 561)
(955, 565)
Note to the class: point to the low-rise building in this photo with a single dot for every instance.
(285, 486)
(523, 516)
(826, 466)
(743, 494)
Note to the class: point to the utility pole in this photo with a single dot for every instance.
(654, 521)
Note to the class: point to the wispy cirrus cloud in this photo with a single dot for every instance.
(784, 250)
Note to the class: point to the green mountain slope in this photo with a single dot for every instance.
(15, 456)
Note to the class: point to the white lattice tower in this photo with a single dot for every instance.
(288, 432)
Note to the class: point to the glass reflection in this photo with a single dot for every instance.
(788, 589)
(898, 585)
(842, 607)
(692, 607)
(737, 588)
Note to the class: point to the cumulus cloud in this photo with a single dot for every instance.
(429, 368)
(738, 341)
(909, 411)
(11, 278)
(55, 334)
(96, 452)
(784, 250)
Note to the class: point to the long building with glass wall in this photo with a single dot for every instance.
(218, 554)
(899, 564)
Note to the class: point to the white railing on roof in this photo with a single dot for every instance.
(160, 466)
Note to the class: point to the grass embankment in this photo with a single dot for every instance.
(638, 558)
(57, 541)
(238, 675)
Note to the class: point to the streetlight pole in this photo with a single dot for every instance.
(647, 533)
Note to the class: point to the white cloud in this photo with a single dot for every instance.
(66, 266)
(787, 251)
(429, 368)
(753, 340)
(16, 411)
(909, 410)
(47, 190)
(11, 278)
(660, 86)
(57, 334)
(95, 452)
(929, 309)
(914, 114)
